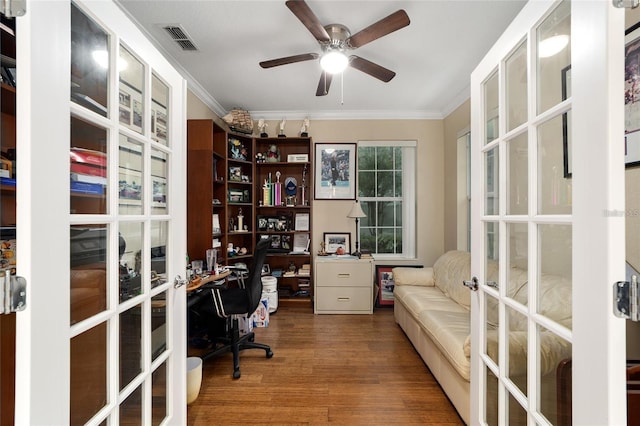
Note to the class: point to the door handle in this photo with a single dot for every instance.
(472, 285)
(13, 293)
(178, 281)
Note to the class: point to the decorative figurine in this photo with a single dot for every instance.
(281, 131)
(273, 154)
(323, 251)
(240, 219)
(262, 126)
(304, 130)
(259, 157)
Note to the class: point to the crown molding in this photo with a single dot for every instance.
(348, 115)
(457, 100)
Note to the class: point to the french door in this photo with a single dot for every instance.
(547, 166)
(101, 235)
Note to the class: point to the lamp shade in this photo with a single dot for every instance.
(356, 211)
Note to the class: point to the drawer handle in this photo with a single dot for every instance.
(344, 275)
(343, 299)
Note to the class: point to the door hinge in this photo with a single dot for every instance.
(626, 299)
(12, 8)
(621, 4)
(13, 293)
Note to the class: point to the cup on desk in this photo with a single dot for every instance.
(196, 267)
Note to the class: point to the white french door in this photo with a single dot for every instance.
(101, 199)
(547, 166)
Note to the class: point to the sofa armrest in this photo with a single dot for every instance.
(413, 276)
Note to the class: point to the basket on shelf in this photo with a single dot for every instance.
(239, 120)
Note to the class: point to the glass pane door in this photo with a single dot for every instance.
(526, 284)
(103, 338)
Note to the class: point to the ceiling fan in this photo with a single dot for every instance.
(335, 40)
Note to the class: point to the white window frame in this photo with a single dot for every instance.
(409, 180)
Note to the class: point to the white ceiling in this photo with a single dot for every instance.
(433, 57)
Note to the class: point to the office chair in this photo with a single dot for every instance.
(221, 302)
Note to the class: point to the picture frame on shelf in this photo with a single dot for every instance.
(235, 174)
(632, 97)
(263, 223)
(266, 269)
(335, 240)
(385, 284)
(335, 171)
(302, 222)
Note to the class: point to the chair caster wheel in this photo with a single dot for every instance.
(236, 374)
(270, 354)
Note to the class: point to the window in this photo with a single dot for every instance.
(386, 190)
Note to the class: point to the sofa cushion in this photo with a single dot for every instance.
(553, 295)
(413, 276)
(449, 271)
(449, 330)
(418, 298)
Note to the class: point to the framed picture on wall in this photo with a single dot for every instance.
(335, 173)
(632, 96)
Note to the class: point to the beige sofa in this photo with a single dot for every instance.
(433, 308)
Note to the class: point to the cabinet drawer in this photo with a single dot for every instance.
(344, 274)
(344, 299)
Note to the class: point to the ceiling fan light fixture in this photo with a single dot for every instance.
(334, 62)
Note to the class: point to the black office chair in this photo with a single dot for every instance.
(223, 302)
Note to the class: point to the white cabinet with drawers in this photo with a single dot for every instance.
(343, 286)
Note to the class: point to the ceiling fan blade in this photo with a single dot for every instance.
(368, 67)
(324, 84)
(289, 60)
(309, 19)
(385, 26)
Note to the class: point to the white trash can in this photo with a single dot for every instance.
(194, 378)
(270, 291)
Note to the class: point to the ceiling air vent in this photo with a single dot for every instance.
(180, 36)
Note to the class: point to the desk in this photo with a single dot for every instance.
(198, 282)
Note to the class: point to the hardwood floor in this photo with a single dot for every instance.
(342, 369)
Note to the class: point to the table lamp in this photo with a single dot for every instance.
(356, 213)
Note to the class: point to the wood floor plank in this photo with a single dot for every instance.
(341, 369)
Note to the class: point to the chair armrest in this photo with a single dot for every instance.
(413, 276)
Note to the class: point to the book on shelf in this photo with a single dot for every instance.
(303, 282)
(366, 254)
(305, 270)
(88, 156)
(79, 177)
(88, 169)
